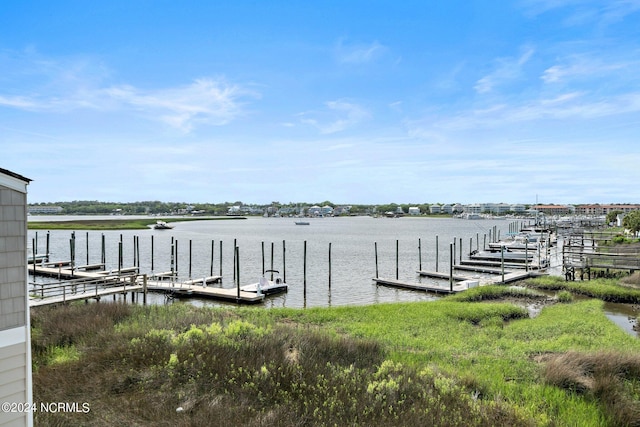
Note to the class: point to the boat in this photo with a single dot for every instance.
(518, 242)
(161, 225)
(302, 222)
(265, 286)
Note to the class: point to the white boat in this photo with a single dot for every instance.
(266, 286)
(519, 242)
(161, 225)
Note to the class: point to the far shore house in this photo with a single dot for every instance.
(15, 340)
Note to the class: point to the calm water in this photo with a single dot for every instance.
(352, 241)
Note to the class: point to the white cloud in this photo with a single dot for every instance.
(507, 69)
(79, 84)
(205, 101)
(339, 115)
(359, 54)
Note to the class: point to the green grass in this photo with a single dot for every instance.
(449, 362)
(609, 290)
(112, 224)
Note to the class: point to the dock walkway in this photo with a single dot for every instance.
(462, 282)
(182, 289)
(421, 286)
(83, 285)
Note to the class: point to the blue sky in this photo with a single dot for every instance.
(348, 101)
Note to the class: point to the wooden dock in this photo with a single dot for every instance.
(462, 283)
(69, 295)
(81, 285)
(195, 290)
(425, 287)
(441, 275)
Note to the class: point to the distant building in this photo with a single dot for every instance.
(553, 209)
(43, 210)
(15, 338)
(414, 210)
(598, 210)
(314, 210)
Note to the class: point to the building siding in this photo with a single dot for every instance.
(15, 345)
(13, 257)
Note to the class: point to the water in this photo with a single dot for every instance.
(352, 241)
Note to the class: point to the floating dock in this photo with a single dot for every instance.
(425, 287)
(196, 290)
(83, 285)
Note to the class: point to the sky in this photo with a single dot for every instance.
(348, 101)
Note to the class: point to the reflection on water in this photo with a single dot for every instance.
(623, 315)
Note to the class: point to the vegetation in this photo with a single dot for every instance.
(631, 221)
(112, 224)
(449, 362)
(605, 289)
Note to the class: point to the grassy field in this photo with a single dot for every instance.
(113, 224)
(475, 359)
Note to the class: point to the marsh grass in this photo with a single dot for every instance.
(233, 368)
(496, 292)
(611, 378)
(112, 224)
(447, 363)
(609, 290)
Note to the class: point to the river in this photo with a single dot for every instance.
(349, 241)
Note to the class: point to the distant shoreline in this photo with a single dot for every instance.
(114, 224)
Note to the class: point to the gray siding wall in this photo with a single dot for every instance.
(13, 255)
(13, 386)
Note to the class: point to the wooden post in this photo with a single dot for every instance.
(304, 270)
(119, 257)
(173, 260)
(375, 247)
(33, 255)
(177, 258)
(502, 261)
(451, 256)
(454, 250)
(220, 251)
(152, 255)
(437, 256)
(271, 260)
(419, 254)
(87, 248)
(103, 255)
(526, 254)
(397, 260)
(284, 262)
(329, 265)
(460, 259)
(212, 251)
(235, 253)
(190, 256)
(237, 268)
(144, 289)
(48, 236)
